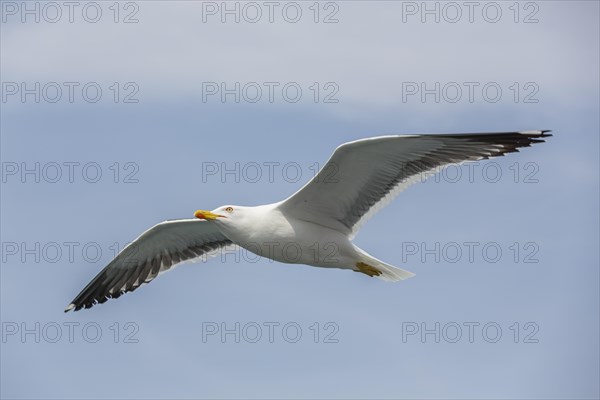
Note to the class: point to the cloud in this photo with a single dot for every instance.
(370, 54)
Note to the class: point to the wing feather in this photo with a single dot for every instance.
(369, 173)
(157, 250)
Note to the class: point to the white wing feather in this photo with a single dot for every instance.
(157, 250)
(363, 176)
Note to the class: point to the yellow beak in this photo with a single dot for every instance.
(207, 215)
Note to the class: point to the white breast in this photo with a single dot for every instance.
(268, 233)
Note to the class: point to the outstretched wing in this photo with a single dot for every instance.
(363, 176)
(157, 250)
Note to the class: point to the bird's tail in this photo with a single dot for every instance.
(371, 266)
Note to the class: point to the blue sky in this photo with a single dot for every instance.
(542, 292)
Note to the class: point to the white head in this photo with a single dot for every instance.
(224, 214)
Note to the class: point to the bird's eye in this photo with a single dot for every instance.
(229, 209)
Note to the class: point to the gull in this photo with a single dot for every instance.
(315, 226)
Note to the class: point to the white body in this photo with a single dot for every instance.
(286, 240)
(268, 232)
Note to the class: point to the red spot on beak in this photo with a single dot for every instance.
(199, 215)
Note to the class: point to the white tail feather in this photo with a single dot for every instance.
(388, 272)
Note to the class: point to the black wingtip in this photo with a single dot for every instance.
(536, 133)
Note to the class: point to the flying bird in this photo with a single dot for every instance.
(315, 226)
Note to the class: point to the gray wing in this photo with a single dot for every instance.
(363, 176)
(157, 250)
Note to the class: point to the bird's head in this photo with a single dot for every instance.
(223, 212)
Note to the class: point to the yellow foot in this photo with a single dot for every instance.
(367, 269)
